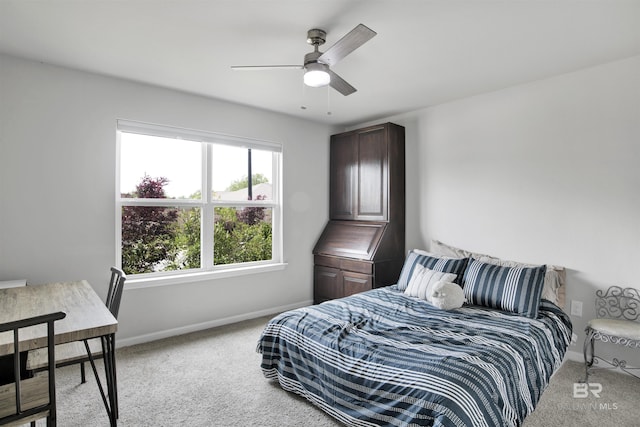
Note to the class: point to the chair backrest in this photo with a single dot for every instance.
(618, 303)
(31, 398)
(116, 284)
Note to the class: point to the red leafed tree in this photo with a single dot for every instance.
(148, 232)
(252, 215)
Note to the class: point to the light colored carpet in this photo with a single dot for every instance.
(213, 378)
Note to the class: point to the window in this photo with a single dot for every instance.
(193, 201)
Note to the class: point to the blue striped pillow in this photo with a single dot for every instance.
(443, 264)
(513, 289)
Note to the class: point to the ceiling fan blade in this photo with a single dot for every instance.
(265, 67)
(350, 42)
(339, 84)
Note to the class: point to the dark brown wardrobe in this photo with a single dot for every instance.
(362, 246)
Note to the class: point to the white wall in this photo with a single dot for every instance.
(57, 192)
(546, 172)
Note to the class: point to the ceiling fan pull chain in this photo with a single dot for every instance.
(303, 92)
(328, 101)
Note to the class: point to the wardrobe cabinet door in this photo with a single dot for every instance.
(372, 176)
(354, 283)
(327, 283)
(342, 176)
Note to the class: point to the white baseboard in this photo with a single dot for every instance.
(574, 356)
(125, 342)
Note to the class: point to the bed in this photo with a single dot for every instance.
(386, 357)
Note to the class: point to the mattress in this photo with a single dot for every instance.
(383, 358)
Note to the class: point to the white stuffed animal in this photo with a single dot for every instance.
(447, 295)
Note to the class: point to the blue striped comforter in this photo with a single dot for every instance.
(383, 358)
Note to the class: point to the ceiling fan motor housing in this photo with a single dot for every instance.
(316, 37)
(311, 58)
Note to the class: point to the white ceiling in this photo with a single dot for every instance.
(425, 53)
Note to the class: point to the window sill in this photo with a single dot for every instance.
(150, 282)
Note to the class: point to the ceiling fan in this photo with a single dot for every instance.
(317, 64)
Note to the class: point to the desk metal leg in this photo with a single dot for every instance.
(110, 371)
(109, 357)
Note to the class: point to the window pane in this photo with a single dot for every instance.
(242, 235)
(261, 170)
(170, 165)
(230, 171)
(177, 163)
(160, 239)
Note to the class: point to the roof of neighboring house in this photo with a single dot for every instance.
(263, 189)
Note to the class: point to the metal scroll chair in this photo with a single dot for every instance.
(618, 322)
(29, 399)
(79, 352)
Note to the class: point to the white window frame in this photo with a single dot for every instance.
(207, 270)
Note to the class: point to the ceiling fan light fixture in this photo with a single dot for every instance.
(317, 75)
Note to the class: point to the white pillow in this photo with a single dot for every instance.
(442, 249)
(447, 295)
(422, 281)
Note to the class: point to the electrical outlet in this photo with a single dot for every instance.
(576, 308)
